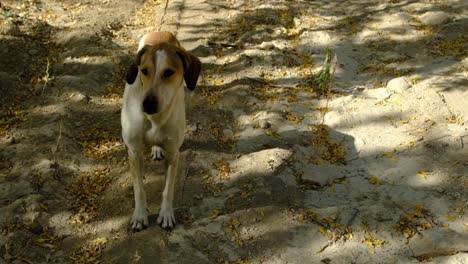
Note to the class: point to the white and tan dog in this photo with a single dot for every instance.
(153, 115)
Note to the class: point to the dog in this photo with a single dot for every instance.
(153, 115)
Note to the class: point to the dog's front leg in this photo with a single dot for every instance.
(166, 214)
(140, 215)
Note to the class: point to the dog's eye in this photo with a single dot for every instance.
(168, 73)
(144, 71)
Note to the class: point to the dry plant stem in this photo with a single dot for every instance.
(329, 88)
(161, 22)
(46, 77)
(59, 138)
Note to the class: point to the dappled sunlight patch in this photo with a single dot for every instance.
(260, 163)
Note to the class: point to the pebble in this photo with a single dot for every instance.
(12, 140)
(36, 228)
(228, 133)
(79, 97)
(38, 88)
(434, 18)
(398, 85)
(266, 45)
(33, 52)
(264, 124)
(465, 62)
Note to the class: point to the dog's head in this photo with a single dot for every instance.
(162, 69)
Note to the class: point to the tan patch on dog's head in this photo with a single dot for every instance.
(159, 66)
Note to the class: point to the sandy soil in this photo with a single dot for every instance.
(373, 171)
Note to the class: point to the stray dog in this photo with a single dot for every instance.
(153, 115)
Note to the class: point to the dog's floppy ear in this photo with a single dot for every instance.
(192, 68)
(132, 71)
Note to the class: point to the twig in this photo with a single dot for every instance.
(212, 43)
(351, 220)
(54, 150)
(313, 219)
(23, 195)
(332, 62)
(161, 21)
(261, 81)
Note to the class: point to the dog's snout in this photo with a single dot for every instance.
(150, 105)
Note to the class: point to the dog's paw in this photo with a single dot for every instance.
(166, 217)
(139, 220)
(157, 153)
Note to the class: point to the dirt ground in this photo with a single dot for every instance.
(280, 166)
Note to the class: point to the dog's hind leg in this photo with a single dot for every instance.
(140, 215)
(166, 214)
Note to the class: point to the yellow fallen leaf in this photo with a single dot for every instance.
(101, 240)
(44, 207)
(245, 195)
(389, 154)
(451, 217)
(423, 174)
(375, 181)
(273, 134)
(215, 214)
(323, 231)
(25, 260)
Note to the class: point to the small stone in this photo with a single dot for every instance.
(12, 140)
(465, 62)
(33, 52)
(321, 174)
(399, 84)
(264, 124)
(266, 45)
(36, 228)
(79, 97)
(434, 18)
(228, 133)
(38, 88)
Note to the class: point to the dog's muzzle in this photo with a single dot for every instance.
(150, 105)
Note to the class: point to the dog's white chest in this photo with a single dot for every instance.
(155, 135)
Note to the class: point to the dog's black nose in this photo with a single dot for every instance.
(150, 105)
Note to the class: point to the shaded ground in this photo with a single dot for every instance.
(374, 173)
